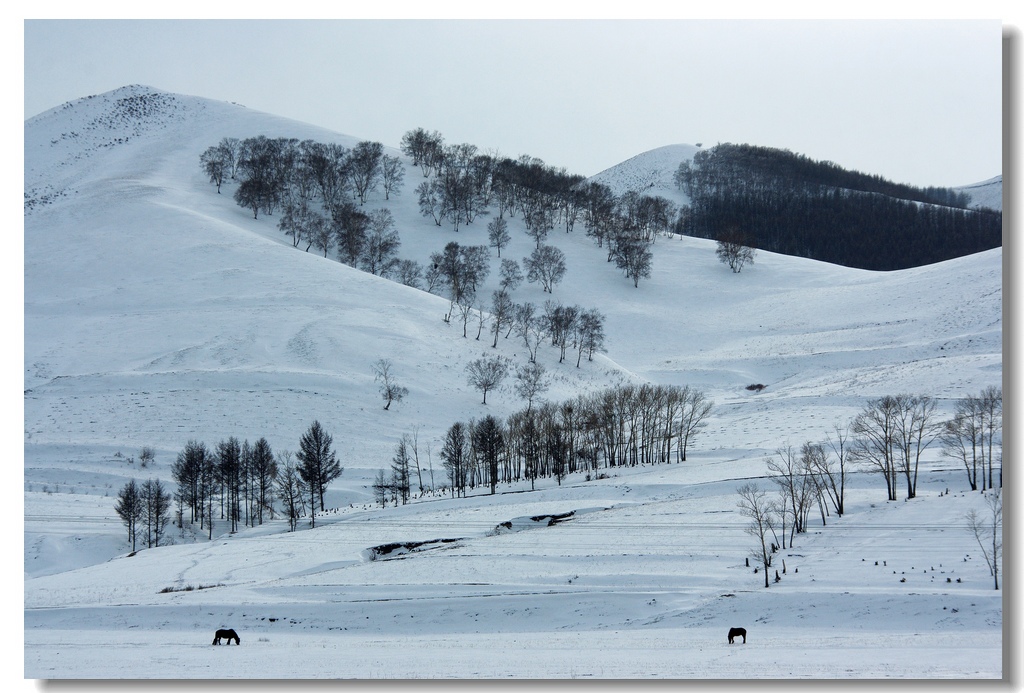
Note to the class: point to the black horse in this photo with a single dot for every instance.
(228, 633)
(737, 632)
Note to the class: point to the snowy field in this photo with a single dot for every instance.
(157, 311)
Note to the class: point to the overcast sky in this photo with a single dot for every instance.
(914, 101)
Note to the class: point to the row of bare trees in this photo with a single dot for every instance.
(626, 425)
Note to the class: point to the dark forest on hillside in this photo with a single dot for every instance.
(788, 203)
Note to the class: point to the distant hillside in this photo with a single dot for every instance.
(986, 194)
(650, 173)
(778, 200)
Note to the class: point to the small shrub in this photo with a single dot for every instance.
(757, 387)
(187, 588)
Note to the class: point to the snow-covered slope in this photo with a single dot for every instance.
(157, 311)
(650, 173)
(987, 194)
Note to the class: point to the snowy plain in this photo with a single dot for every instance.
(158, 311)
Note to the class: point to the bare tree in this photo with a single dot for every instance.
(215, 165)
(156, 511)
(735, 250)
(489, 444)
(365, 164)
(229, 468)
(511, 275)
(531, 382)
(264, 470)
(545, 265)
(589, 334)
(482, 319)
(540, 221)
(390, 391)
(291, 489)
(130, 508)
(696, 407)
(963, 438)
(301, 223)
(497, 233)
(874, 445)
(915, 431)
(429, 195)
(991, 402)
(320, 233)
(988, 531)
(379, 253)
(560, 324)
(531, 327)
(502, 311)
(831, 469)
(755, 506)
(634, 258)
(415, 444)
(392, 175)
(408, 272)
(350, 227)
(785, 469)
(486, 374)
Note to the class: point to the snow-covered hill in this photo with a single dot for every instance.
(987, 194)
(652, 173)
(157, 311)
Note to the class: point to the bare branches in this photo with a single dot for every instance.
(988, 531)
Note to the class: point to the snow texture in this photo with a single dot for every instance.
(157, 311)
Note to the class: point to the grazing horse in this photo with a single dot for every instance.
(228, 633)
(737, 632)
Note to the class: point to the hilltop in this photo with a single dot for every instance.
(159, 311)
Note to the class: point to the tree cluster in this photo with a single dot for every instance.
(789, 204)
(233, 481)
(973, 437)
(628, 425)
(461, 269)
(626, 225)
(240, 483)
(464, 183)
(144, 510)
(735, 249)
(888, 436)
(272, 172)
(320, 190)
